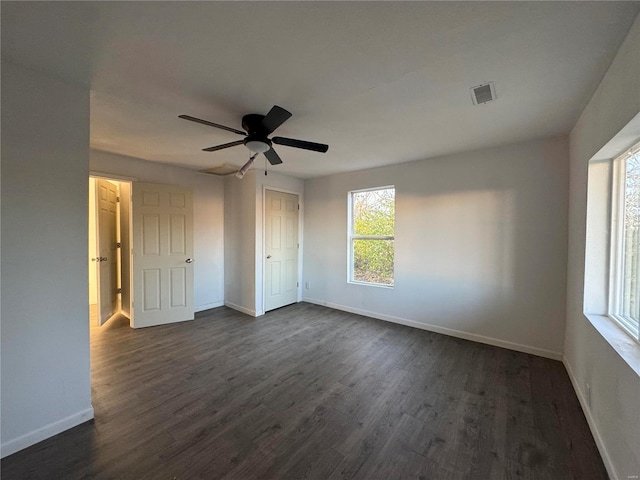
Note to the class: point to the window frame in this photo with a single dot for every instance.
(617, 245)
(351, 236)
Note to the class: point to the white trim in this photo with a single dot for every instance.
(352, 236)
(618, 244)
(370, 284)
(40, 434)
(112, 176)
(611, 470)
(372, 189)
(628, 325)
(93, 176)
(207, 306)
(616, 239)
(248, 311)
(373, 237)
(474, 337)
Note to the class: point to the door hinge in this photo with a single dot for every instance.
(297, 284)
(118, 290)
(117, 199)
(298, 206)
(118, 245)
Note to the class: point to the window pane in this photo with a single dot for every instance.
(373, 212)
(373, 261)
(630, 275)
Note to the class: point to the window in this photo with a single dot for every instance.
(371, 236)
(624, 301)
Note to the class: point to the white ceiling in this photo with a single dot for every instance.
(380, 82)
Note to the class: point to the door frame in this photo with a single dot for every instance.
(263, 249)
(111, 252)
(129, 180)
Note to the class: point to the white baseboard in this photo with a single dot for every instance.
(604, 453)
(208, 306)
(474, 337)
(248, 311)
(31, 438)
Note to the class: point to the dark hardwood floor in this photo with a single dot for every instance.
(310, 392)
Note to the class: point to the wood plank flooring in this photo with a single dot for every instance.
(310, 392)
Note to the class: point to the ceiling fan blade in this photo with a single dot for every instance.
(211, 124)
(273, 157)
(276, 117)
(224, 145)
(292, 142)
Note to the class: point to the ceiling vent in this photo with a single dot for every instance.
(221, 170)
(483, 93)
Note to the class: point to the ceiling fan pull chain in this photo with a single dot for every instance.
(265, 166)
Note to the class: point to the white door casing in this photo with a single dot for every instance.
(162, 255)
(281, 249)
(107, 266)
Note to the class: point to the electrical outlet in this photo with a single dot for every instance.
(307, 285)
(587, 393)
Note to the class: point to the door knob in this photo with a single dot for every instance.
(189, 260)
(268, 256)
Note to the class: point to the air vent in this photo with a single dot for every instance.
(221, 170)
(483, 93)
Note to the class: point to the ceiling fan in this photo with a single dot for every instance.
(257, 130)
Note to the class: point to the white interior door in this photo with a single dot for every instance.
(281, 249)
(107, 240)
(162, 254)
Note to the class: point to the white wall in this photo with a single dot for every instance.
(480, 245)
(208, 216)
(240, 243)
(244, 224)
(615, 387)
(45, 379)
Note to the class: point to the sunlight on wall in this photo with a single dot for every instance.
(596, 283)
(463, 250)
(480, 245)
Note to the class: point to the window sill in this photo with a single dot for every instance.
(620, 341)
(379, 285)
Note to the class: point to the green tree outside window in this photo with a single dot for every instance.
(373, 227)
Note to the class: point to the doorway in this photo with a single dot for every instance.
(281, 249)
(109, 249)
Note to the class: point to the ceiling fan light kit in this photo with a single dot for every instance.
(257, 130)
(257, 145)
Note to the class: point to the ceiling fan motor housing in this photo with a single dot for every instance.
(252, 123)
(256, 139)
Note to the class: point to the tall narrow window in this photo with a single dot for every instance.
(624, 304)
(371, 236)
